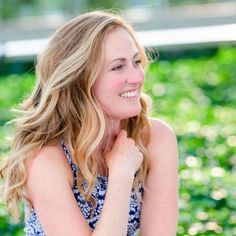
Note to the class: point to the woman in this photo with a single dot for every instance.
(86, 158)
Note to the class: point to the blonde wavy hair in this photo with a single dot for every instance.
(63, 107)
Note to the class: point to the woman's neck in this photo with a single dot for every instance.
(112, 130)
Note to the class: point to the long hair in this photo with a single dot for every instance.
(63, 106)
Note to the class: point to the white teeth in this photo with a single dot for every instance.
(129, 94)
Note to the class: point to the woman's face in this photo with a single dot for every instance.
(118, 86)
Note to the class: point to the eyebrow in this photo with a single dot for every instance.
(122, 58)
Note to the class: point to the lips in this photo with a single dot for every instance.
(129, 94)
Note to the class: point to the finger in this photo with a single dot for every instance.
(131, 141)
(121, 134)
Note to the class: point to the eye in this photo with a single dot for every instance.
(116, 68)
(138, 62)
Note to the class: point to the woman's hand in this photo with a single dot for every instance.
(123, 160)
(124, 156)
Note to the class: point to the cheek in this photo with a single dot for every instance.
(97, 91)
(118, 82)
(103, 91)
(112, 84)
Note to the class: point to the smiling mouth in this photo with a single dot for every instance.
(129, 94)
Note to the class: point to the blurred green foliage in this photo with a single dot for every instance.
(197, 97)
(13, 88)
(42, 7)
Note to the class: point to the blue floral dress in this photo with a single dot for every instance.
(32, 223)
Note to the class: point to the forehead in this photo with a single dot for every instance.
(118, 43)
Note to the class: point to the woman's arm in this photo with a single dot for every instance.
(160, 201)
(122, 161)
(49, 186)
(114, 216)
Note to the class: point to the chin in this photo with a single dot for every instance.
(132, 113)
(121, 114)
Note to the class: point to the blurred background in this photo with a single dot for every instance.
(191, 79)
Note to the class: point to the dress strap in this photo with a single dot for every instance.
(73, 166)
(67, 153)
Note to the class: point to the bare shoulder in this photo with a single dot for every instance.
(49, 157)
(161, 131)
(162, 140)
(49, 190)
(49, 164)
(160, 208)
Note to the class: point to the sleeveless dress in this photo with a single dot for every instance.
(32, 223)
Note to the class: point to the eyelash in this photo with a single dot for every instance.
(120, 67)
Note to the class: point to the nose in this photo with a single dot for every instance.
(135, 75)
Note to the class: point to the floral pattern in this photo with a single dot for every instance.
(32, 223)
